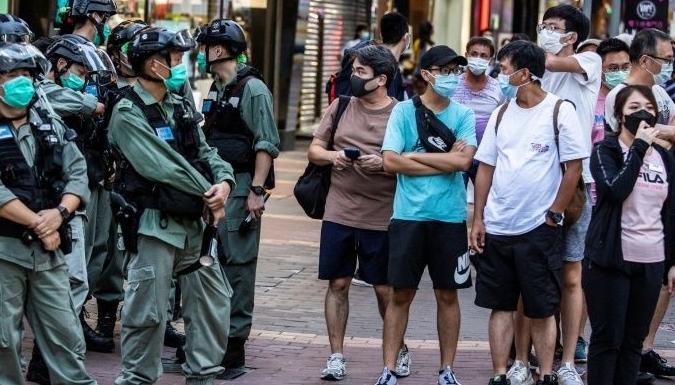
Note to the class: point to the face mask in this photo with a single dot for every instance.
(359, 86)
(102, 35)
(73, 82)
(364, 35)
(508, 89)
(477, 65)
(201, 61)
(550, 41)
(664, 75)
(613, 79)
(18, 92)
(177, 77)
(632, 121)
(445, 85)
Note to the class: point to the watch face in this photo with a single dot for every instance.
(258, 190)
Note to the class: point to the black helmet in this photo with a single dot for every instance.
(124, 33)
(226, 32)
(157, 40)
(85, 7)
(13, 29)
(77, 49)
(14, 56)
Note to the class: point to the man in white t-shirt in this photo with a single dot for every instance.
(651, 57)
(519, 200)
(575, 77)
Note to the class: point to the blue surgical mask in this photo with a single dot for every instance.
(508, 89)
(613, 79)
(477, 65)
(664, 75)
(445, 85)
(102, 34)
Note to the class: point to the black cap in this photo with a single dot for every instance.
(440, 55)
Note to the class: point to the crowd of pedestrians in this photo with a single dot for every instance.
(109, 173)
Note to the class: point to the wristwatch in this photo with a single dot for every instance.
(64, 212)
(556, 217)
(258, 190)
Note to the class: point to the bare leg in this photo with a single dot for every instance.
(395, 324)
(447, 321)
(523, 335)
(336, 310)
(659, 313)
(570, 312)
(500, 333)
(543, 336)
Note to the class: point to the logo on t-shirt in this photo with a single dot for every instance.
(538, 147)
(462, 270)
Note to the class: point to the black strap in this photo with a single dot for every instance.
(342, 106)
(500, 114)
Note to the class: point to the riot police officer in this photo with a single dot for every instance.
(88, 18)
(80, 68)
(42, 182)
(172, 177)
(240, 123)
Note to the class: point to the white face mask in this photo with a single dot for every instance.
(477, 65)
(550, 41)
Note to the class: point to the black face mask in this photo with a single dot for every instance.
(632, 121)
(359, 86)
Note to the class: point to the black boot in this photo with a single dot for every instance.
(37, 369)
(177, 310)
(235, 356)
(107, 316)
(95, 342)
(172, 337)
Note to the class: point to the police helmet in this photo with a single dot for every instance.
(21, 56)
(157, 40)
(85, 7)
(13, 29)
(124, 33)
(76, 49)
(225, 32)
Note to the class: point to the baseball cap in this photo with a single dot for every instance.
(440, 55)
(595, 42)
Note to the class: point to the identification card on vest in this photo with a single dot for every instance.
(164, 133)
(5, 132)
(234, 101)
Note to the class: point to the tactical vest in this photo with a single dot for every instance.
(38, 187)
(225, 129)
(184, 139)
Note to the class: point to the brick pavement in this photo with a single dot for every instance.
(289, 344)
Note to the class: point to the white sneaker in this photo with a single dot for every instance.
(403, 362)
(567, 375)
(519, 374)
(447, 377)
(335, 368)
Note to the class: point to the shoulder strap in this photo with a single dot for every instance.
(556, 111)
(417, 102)
(152, 114)
(342, 106)
(500, 114)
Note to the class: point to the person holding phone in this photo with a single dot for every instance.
(360, 199)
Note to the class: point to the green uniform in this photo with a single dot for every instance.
(242, 250)
(167, 245)
(34, 283)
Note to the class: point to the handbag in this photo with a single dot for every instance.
(434, 135)
(578, 201)
(312, 187)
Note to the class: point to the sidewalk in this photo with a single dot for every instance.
(289, 344)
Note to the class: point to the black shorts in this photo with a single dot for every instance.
(340, 247)
(441, 246)
(528, 264)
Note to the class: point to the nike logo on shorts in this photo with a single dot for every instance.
(463, 269)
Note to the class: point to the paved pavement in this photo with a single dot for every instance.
(289, 344)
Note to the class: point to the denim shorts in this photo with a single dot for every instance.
(574, 238)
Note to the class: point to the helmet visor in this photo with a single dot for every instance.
(17, 56)
(17, 38)
(183, 41)
(98, 63)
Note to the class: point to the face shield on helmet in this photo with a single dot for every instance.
(13, 29)
(20, 56)
(99, 67)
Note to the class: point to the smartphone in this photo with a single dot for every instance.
(352, 153)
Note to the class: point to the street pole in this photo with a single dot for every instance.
(615, 19)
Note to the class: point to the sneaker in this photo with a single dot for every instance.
(644, 378)
(519, 374)
(360, 282)
(567, 375)
(580, 350)
(549, 379)
(534, 362)
(387, 378)
(447, 377)
(335, 368)
(652, 362)
(403, 362)
(499, 379)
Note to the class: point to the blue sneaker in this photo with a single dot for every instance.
(580, 350)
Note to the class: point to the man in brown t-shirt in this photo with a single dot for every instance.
(360, 199)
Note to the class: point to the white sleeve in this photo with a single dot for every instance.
(609, 108)
(487, 149)
(591, 63)
(572, 143)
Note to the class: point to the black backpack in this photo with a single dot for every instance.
(338, 84)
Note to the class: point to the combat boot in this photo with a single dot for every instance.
(235, 356)
(95, 342)
(37, 369)
(107, 316)
(172, 337)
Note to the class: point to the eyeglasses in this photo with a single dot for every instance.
(666, 61)
(617, 68)
(449, 70)
(550, 28)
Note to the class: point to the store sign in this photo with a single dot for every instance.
(639, 14)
